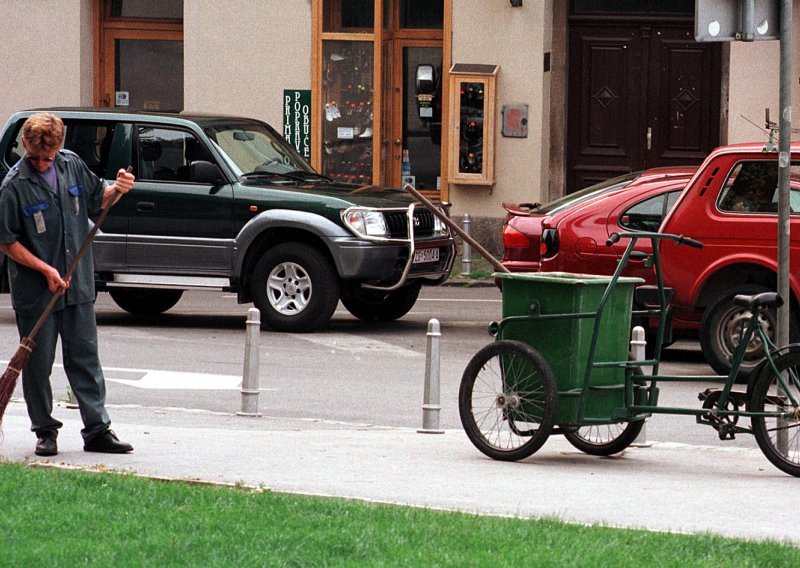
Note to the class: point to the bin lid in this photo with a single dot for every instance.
(566, 278)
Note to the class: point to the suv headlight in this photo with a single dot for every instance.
(365, 222)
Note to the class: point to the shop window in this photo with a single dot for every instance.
(422, 14)
(347, 95)
(163, 9)
(348, 15)
(634, 6)
(472, 100)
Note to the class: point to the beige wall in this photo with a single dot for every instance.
(44, 65)
(239, 59)
(515, 39)
(753, 86)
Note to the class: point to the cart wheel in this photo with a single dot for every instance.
(507, 400)
(607, 439)
(604, 439)
(779, 437)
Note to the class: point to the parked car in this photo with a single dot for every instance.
(223, 202)
(569, 234)
(731, 206)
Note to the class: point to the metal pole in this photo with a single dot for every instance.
(784, 172)
(466, 250)
(638, 353)
(250, 373)
(430, 398)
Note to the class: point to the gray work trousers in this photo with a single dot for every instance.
(77, 328)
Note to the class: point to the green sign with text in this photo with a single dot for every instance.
(297, 120)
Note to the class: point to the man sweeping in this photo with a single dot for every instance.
(46, 201)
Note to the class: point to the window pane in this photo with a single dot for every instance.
(166, 154)
(751, 187)
(647, 215)
(165, 9)
(347, 95)
(150, 72)
(348, 15)
(428, 14)
(470, 155)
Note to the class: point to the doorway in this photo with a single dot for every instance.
(642, 93)
(139, 55)
(416, 138)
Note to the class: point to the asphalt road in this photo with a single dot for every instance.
(192, 358)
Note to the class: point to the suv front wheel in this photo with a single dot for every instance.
(376, 306)
(295, 287)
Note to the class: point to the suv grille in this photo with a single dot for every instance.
(397, 223)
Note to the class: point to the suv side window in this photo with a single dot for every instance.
(648, 214)
(165, 154)
(91, 140)
(751, 187)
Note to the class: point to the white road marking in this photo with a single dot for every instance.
(360, 345)
(176, 380)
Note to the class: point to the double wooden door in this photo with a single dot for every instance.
(640, 96)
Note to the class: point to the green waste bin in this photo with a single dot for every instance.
(565, 342)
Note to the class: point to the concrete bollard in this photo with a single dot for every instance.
(638, 353)
(430, 398)
(250, 381)
(466, 248)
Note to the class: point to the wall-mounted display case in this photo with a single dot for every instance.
(472, 110)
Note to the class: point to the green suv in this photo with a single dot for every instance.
(222, 202)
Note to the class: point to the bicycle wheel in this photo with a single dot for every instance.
(606, 439)
(779, 437)
(507, 400)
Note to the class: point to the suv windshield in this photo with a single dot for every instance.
(253, 148)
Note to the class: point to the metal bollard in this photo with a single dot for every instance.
(638, 353)
(250, 390)
(430, 399)
(466, 248)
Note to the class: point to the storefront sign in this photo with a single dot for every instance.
(297, 120)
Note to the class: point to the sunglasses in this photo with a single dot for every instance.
(37, 159)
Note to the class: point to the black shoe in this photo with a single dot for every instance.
(46, 444)
(107, 443)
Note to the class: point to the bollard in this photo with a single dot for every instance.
(430, 398)
(250, 373)
(466, 248)
(638, 353)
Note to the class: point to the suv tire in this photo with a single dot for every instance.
(719, 331)
(295, 287)
(376, 306)
(144, 302)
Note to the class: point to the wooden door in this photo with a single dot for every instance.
(640, 96)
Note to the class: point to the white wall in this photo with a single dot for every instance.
(239, 59)
(46, 50)
(494, 32)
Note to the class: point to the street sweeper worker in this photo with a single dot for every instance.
(46, 201)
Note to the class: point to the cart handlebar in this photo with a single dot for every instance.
(679, 239)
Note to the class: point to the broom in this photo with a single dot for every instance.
(8, 381)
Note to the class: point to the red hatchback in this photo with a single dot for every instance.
(570, 233)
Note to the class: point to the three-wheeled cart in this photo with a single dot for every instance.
(560, 364)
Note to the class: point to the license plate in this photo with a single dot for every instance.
(426, 255)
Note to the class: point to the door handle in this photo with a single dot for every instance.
(649, 137)
(145, 207)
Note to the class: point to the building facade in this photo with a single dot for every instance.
(475, 102)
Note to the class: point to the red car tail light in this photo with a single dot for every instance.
(513, 238)
(548, 246)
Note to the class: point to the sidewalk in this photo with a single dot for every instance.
(665, 487)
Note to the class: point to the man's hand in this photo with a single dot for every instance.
(54, 281)
(124, 181)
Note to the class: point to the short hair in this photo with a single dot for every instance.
(43, 132)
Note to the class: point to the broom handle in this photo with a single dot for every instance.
(458, 230)
(72, 267)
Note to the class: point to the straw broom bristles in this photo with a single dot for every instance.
(8, 381)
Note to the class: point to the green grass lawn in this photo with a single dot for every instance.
(54, 518)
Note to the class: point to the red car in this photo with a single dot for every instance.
(570, 233)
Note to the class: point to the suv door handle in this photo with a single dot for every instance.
(145, 206)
